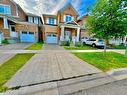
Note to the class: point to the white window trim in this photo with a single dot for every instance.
(48, 22)
(65, 16)
(36, 22)
(30, 20)
(8, 6)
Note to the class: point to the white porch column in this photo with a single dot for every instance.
(62, 34)
(78, 34)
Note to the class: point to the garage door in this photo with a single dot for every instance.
(27, 37)
(1, 37)
(51, 38)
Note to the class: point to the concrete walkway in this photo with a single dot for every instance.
(17, 46)
(7, 48)
(51, 66)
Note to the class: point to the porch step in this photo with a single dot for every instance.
(13, 40)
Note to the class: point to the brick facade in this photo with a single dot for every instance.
(55, 29)
(19, 15)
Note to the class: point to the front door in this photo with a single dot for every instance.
(13, 33)
(67, 35)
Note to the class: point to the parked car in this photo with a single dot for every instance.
(84, 39)
(94, 42)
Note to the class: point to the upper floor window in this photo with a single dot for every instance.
(5, 9)
(51, 21)
(36, 20)
(30, 19)
(68, 18)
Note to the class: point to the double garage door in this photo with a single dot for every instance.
(51, 38)
(27, 37)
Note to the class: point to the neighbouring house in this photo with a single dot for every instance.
(84, 33)
(81, 21)
(61, 27)
(18, 26)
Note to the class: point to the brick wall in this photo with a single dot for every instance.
(67, 11)
(12, 5)
(29, 28)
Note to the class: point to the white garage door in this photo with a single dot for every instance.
(27, 37)
(51, 38)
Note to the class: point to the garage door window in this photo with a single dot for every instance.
(31, 32)
(54, 35)
(24, 32)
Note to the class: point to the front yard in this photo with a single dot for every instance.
(111, 61)
(85, 47)
(36, 46)
(9, 68)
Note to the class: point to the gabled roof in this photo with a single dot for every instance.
(49, 15)
(66, 6)
(30, 14)
(72, 23)
(81, 17)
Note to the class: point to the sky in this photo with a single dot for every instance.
(39, 7)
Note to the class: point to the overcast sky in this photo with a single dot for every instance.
(52, 6)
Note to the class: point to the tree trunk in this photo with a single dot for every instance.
(126, 47)
(126, 52)
(105, 46)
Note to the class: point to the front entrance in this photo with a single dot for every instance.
(67, 35)
(51, 38)
(13, 33)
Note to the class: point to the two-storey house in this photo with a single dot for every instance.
(62, 26)
(16, 25)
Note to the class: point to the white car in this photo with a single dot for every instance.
(94, 42)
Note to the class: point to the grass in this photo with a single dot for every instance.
(9, 68)
(105, 63)
(79, 48)
(36, 46)
(117, 47)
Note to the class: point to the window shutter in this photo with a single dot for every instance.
(64, 18)
(54, 21)
(47, 20)
(5, 23)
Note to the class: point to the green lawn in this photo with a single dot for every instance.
(117, 47)
(9, 68)
(79, 48)
(111, 61)
(36, 46)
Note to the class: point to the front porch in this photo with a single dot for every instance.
(70, 32)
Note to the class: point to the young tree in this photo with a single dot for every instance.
(108, 19)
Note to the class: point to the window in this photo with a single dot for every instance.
(51, 21)
(31, 33)
(24, 32)
(36, 20)
(5, 9)
(13, 28)
(30, 19)
(67, 18)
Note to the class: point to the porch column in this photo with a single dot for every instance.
(78, 34)
(62, 34)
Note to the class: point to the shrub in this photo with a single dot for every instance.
(78, 44)
(5, 41)
(65, 43)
